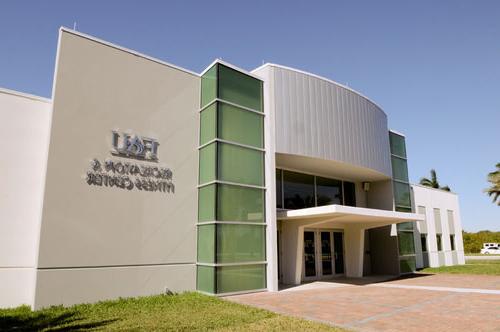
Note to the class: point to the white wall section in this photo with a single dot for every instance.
(24, 133)
(433, 201)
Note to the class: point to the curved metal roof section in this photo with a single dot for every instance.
(325, 121)
(269, 64)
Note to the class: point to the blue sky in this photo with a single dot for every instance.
(433, 66)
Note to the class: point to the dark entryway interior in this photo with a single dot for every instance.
(381, 255)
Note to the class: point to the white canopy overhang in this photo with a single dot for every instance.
(348, 215)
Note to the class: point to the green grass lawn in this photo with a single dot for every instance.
(490, 267)
(183, 312)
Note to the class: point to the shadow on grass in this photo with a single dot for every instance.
(53, 322)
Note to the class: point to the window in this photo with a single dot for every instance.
(240, 243)
(402, 194)
(423, 241)
(298, 190)
(399, 169)
(349, 194)
(240, 126)
(236, 203)
(208, 124)
(452, 242)
(239, 88)
(207, 163)
(240, 278)
(438, 240)
(406, 244)
(328, 191)
(279, 189)
(407, 264)
(397, 143)
(240, 165)
(209, 86)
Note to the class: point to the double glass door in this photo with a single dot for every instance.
(323, 254)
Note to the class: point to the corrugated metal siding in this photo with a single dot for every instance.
(320, 119)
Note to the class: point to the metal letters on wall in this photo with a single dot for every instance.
(130, 175)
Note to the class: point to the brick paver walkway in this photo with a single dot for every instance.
(392, 305)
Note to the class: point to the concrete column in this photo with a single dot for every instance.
(293, 243)
(354, 242)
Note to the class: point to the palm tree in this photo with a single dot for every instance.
(433, 182)
(494, 190)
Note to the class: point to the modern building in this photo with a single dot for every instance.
(138, 177)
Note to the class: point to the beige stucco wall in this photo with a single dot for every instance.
(24, 133)
(89, 234)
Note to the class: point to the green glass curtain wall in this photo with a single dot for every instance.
(231, 195)
(402, 201)
(239, 88)
(209, 86)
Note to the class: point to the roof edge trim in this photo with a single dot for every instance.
(25, 95)
(227, 64)
(435, 189)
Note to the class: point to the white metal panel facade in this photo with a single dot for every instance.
(319, 118)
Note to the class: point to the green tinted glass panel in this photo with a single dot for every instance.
(405, 226)
(402, 194)
(399, 169)
(240, 278)
(240, 126)
(406, 244)
(209, 86)
(206, 243)
(398, 146)
(208, 124)
(239, 88)
(207, 163)
(240, 165)
(240, 243)
(403, 209)
(205, 279)
(237, 203)
(206, 203)
(407, 265)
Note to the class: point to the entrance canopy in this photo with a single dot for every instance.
(348, 215)
(350, 221)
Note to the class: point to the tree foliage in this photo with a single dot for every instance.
(494, 190)
(473, 242)
(433, 182)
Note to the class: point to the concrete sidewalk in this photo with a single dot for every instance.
(483, 257)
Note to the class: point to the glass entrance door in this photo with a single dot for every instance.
(309, 254)
(326, 254)
(338, 245)
(323, 254)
